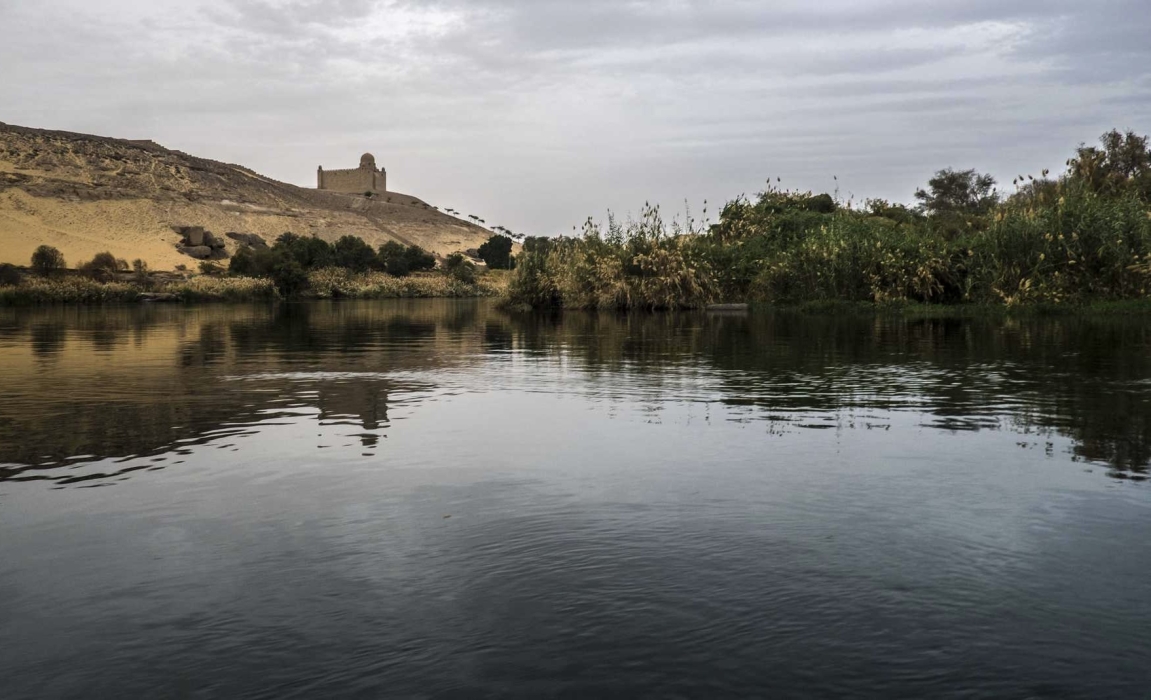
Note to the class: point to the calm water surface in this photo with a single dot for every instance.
(433, 499)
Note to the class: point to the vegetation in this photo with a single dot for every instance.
(460, 268)
(47, 260)
(338, 283)
(294, 267)
(9, 275)
(399, 260)
(352, 253)
(104, 266)
(497, 252)
(1082, 238)
(642, 264)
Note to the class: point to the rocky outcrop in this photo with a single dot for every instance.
(249, 239)
(200, 244)
(193, 235)
(199, 252)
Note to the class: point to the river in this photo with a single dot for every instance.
(434, 499)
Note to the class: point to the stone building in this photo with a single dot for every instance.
(362, 180)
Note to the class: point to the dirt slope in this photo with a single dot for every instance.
(86, 194)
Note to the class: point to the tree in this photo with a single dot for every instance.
(419, 259)
(47, 260)
(309, 252)
(898, 213)
(391, 257)
(497, 252)
(104, 265)
(254, 262)
(352, 253)
(962, 192)
(140, 272)
(289, 277)
(537, 244)
(1123, 163)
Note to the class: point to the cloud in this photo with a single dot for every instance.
(537, 113)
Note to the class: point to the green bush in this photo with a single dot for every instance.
(497, 252)
(391, 258)
(419, 260)
(290, 278)
(1083, 237)
(352, 253)
(640, 265)
(399, 260)
(309, 252)
(460, 268)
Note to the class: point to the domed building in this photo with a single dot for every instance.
(366, 180)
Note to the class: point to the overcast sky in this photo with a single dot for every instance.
(535, 114)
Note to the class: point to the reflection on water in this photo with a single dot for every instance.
(84, 385)
(435, 499)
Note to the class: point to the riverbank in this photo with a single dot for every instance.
(1080, 239)
(322, 284)
(905, 309)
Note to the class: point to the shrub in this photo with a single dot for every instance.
(390, 258)
(104, 266)
(419, 260)
(289, 277)
(47, 260)
(9, 275)
(249, 262)
(460, 268)
(497, 252)
(208, 267)
(399, 260)
(641, 265)
(309, 252)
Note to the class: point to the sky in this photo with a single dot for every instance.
(536, 114)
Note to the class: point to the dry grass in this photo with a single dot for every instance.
(337, 283)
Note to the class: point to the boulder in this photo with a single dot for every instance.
(193, 235)
(213, 241)
(248, 239)
(199, 252)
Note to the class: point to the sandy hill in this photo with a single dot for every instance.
(86, 194)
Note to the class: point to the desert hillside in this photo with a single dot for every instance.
(86, 194)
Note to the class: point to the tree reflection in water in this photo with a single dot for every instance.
(84, 385)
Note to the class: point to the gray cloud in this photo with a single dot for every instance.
(536, 113)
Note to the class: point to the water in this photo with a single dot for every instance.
(433, 499)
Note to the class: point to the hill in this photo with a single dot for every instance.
(85, 194)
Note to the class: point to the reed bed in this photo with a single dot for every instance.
(67, 290)
(1076, 248)
(331, 283)
(337, 283)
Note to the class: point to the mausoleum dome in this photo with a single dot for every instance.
(368, 161)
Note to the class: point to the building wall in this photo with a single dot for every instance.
(354, 181)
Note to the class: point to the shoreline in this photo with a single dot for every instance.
(75, 289)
